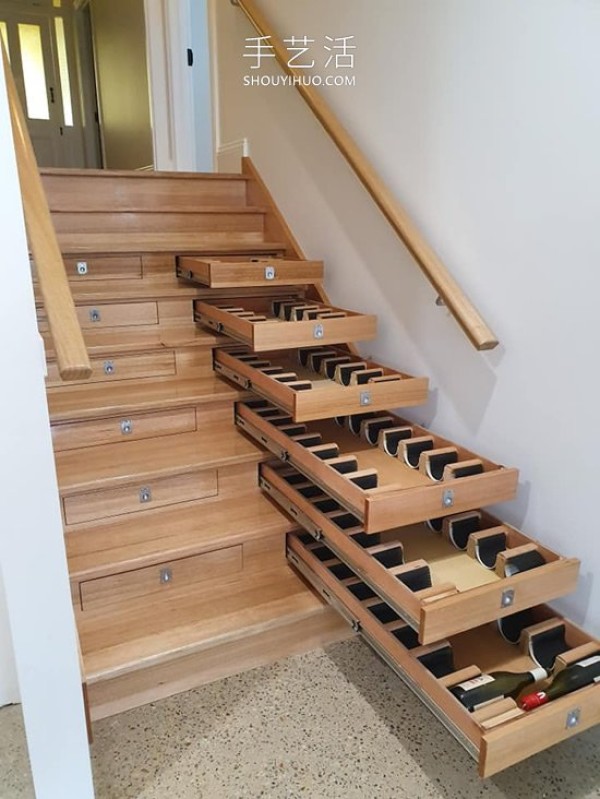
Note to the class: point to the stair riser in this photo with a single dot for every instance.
(182, 362)
(126, 315)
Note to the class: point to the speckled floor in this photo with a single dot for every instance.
(325, 725)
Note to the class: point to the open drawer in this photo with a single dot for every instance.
(388, 472)
(499, 734)
(264, 323)
(441, 578)
(223, 274)
(319, 382)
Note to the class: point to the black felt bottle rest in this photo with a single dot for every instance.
(345, 467)
(256, 363)
(340, 420)
(546, 646)
(345, 521)
(329, 451)
(344, 372)
(246, 359)
(366, 540)
(310, 491)
(365, 481)
(271, 370)
(330, 365)
(407, 637)
(512, 626)
(392, 437)
(305, 385)
(341, 571)
(417, 579)
(355, 421)
(306, 538)
(384, 613)
(268, 413)
(362, 378)
(488, 548)
(286, 378)
(372, 428)
(316, 359)
(283, 421)
(327, 505)
(312, 440)
(459, 530)
(295, 430)
(323, 553)
(288, 307)
(257, 405)
(294, 478)
(467, 471)
(439, 663)
(438, 462)
(435, 525)
(413, 450)
(390, 557)
(523, 563)
(304, 353)
(361, 591)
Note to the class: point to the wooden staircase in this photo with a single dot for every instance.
(229, 429)
(177, 561)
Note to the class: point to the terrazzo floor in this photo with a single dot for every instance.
(325, 725)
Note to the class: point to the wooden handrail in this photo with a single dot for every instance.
(69, 346)
(448, 289)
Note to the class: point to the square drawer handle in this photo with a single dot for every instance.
(508, 598)
(365, 398)
(145, 494)
(126, 427)
(166, 576)
(448, 498)
(82, 268)
(109, 367)
(318, 331)
(573, 718)
(270, 273)
(95, 315)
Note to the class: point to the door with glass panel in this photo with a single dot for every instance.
(42, 63)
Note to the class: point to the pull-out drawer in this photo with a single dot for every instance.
(389, 473)
(264, 323)
(474, 570)
(96, 267)
(245, 274)
(123, 367)
(499, 734)
(118, 314)
(320, 382)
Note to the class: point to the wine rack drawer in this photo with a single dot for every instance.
(319, 382)
(123, 367)
(443, 577)
(95, 267)
(499, 734)
(89, 433)
(163, 577)
(264, 323)
(388, 472)
(246, 274)
(107, 502)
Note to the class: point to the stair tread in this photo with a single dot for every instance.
(115, 465)
(169, 534)
(103, 290)
(90, 400)
(139, 339)
(130, 638)
(198, 243)
(148, 175)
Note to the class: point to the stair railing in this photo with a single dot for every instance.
(450, 293)
(69, 346)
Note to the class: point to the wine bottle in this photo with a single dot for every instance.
(575, 676)
(481, 690)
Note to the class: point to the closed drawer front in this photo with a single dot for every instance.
(320, 382)
(267, 324)
(255, 272)
(389, 473)
(123, 367)
(163, 577)
(95, 267)
(73, 435)
(139, 497)
(442, 577)
(500, 734)
(126, 314)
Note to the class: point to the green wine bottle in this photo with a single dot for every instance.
(481, 690)
(575, 676)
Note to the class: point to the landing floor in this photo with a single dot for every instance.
(325, 725)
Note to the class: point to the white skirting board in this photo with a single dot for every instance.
(230, 154)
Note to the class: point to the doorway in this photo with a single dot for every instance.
(41, 42)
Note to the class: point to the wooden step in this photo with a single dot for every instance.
(119, 290)
(169, 242)
(132, 657)
(173, 533)
(112, 466)
(101, 400)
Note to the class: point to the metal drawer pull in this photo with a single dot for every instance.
(318, 331)
(270, 273)
(166, 576)
(82, 269)
(145, 494)
(126, 427)
(95, 315)
(365, 398)
(448, 498)
(573, 718)
(109, 367)
(508, 598)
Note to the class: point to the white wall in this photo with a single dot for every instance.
(9, 689)
(484, 119)
(32, 552)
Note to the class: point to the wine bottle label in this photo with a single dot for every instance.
(483, 679)
(588, 661)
